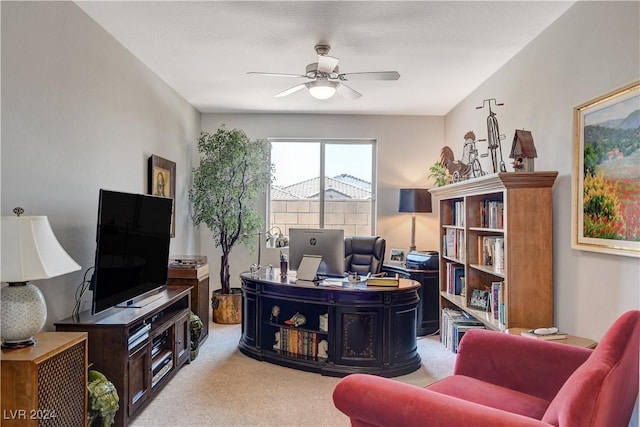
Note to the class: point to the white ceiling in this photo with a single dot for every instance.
(443, 50)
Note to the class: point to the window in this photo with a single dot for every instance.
(323, 183)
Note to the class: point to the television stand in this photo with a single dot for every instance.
(142, 301)
(138, 350)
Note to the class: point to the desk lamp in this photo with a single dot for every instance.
(414, 200)
(29, 251)
(280, 241)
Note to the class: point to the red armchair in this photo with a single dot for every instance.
(506, 380)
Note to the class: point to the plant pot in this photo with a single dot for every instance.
(227, 308)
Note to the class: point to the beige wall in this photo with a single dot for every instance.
(590, 50)
(80, 113)
(406, 147)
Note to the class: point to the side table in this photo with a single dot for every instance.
(46, 384)
(195, 275)
(570, 340)
(428, 320)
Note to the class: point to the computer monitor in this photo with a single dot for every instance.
(328, 243)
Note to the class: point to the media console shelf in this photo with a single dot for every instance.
(346, 329)
(138, 349)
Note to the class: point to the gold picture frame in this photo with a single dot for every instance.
(162, 182)
(606, 174)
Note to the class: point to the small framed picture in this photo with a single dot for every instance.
(397, 256)
(162, 182)
(479, 300)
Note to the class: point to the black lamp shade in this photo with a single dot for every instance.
(414, 200)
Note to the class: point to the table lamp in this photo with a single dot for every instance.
(29, 251)
(414, 200)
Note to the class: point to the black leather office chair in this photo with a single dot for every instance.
(364, 254)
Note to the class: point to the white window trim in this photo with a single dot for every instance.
(323, 142)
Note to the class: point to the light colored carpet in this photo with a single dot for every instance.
(223, 387)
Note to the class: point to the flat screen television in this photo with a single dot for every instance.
(132, 249)
(328, 243)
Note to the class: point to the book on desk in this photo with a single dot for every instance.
(530, 333)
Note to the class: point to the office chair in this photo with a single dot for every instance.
(364, 254)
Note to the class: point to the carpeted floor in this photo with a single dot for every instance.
(223, 387)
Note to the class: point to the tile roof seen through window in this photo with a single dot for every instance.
(343, 186)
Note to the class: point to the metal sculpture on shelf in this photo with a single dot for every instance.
(456, 168)
(493, 136)
(470, 154)
(468, 166)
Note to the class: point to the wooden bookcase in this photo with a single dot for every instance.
(520, 209)
(138, 349)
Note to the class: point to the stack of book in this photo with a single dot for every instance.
(498, 312)
(455, 278)
(544, 335)
(383, 281)
(491, 252)
(297, 342)
(453, 244)
(455, 323)
(492, 214)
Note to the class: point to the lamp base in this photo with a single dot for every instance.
(23, 314)
(19, 344)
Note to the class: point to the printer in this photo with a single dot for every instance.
(422, 260)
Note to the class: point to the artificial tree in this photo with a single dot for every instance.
(233, 171)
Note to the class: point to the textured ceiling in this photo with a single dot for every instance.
(443, 50)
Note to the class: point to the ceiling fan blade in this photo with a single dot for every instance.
(290, 91)
(326, 64)
(347, 92)
(372, 75)
(275, 74)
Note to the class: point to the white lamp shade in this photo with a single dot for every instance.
(322, 89)
(30, 250)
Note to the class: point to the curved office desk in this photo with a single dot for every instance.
(346, 329)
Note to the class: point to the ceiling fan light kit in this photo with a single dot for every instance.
(326, 79)
(322, 89)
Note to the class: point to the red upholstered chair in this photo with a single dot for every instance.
(507, 380)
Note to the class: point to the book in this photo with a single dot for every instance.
(549, 337)
(458, 273)
(488, 246)
(383, 281)
(459, 330)
(498, 253)
(496, 289)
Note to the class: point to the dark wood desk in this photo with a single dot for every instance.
(368, 329)
(428, 320)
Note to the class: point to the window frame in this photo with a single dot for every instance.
(334, 141)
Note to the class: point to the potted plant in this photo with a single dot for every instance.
(440, 173)
(232, 172)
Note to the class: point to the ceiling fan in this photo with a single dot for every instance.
(325, 79)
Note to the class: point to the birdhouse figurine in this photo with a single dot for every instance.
(523, 151)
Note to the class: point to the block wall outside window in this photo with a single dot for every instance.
(351, 216)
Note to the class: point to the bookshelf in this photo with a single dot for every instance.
(497, 229)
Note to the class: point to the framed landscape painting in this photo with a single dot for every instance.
(162, 182)
(606, 178)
